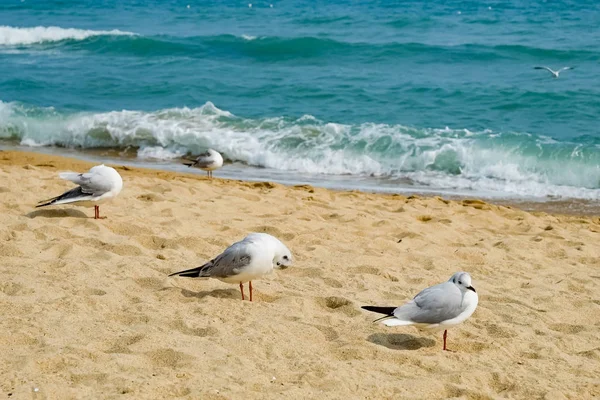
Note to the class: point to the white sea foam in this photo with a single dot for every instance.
(248, 37)
(13, 36)
(160, 153)
(452, 159)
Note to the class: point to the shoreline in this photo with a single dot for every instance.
(237, 172)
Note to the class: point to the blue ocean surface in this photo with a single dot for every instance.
(438, 96)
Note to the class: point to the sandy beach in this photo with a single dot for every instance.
(89, 312)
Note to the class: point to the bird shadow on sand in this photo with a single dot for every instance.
(67, 213)
(218, 293)
(400, 341)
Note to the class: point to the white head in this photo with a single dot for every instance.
(282, 256)
(463, 281)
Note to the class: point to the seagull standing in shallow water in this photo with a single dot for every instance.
(435, 308)
(99, 184)
(252, 258)
(208, 162)
(554, 73)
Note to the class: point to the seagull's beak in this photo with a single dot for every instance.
(472, 288)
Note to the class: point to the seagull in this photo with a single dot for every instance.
(251, 258)
(435, 308)
(208, 161)
(99, 184)
(554, 73)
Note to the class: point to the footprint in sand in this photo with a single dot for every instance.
(567, 328)
(150, 283)
(122, 343)
(338, 304)
(169, 358)
(181, 326)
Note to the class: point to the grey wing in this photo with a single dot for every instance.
(433, 305)
(229, 263)
(94, 184)
(203, 160)
(91, 183)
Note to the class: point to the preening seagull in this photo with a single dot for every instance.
(435, 308)
(244, 261)
(99, 184)
(208, 161)
(554, 73)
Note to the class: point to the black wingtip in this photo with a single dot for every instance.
(45, 203)
(188, 164)
(189, 273)
(380, 310)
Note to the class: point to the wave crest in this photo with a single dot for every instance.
(11, 36)
(518, 164)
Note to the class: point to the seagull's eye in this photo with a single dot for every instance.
(278, 263)
(459, 282)
(285, 257)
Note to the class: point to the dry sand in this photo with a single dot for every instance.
(87, 310)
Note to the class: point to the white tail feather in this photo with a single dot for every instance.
(396, 322)
(70, 176)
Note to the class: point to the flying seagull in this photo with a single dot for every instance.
(99, 184)
(554, 73)
(251, 258)
(208, 161)
(435, 308)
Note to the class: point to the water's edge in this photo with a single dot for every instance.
(238, 171)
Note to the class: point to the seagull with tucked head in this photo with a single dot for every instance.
(99, 184)
(208, 161)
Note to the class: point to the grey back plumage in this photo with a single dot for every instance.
(433, 305)
(228, 263)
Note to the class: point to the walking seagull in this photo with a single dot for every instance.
(554, 73)
(435, 308)
(99, 184)
(208, 162)
(251, 258)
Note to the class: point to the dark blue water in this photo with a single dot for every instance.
(442, 96)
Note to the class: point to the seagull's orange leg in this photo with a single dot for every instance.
(250, 284)
(97, 213)
(242, 290)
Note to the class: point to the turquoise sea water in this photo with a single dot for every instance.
(398, 93)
